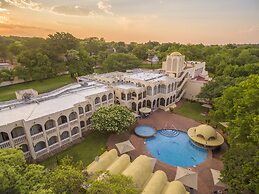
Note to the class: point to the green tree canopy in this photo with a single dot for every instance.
(113, 118)
(120, 62)
(239, 106)
(111, 184)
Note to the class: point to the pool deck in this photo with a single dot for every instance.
(160, 119)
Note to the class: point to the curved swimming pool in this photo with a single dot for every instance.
(145, 131)
(175, 148)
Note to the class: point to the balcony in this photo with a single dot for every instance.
(41, 152)
(65, 141)
(51, 131)
(63, 126)
(89, 113)
(54, 146)
(37, 136)
(5, 144)
(74, 122)
(97, 105)
(19, 140)
(75, 136)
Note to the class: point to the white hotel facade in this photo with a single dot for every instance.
(51, 121)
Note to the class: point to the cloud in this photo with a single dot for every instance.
(105, 6)
(17, 26)
(69, 10)
(28, 4)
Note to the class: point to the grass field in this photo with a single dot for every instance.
(86, 151)
(8, 92)
(191, 110)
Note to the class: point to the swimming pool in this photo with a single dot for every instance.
(145, 131)
(174, 147)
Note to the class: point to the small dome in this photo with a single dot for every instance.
(176, 54)
(206, 132)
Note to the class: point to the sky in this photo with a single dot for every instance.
(183, 21)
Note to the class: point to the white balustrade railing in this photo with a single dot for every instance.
(75, 136)
(54, 146)
(51, 131)
(74, 122)
(37, 136)
(5, 144)
(19, 140)
(65, 141)
(41, 152)
(63, 126)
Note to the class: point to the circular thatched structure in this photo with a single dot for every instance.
(206, 136)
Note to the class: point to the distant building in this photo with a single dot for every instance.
(5, 65)
(45, 123)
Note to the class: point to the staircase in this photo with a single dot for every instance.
(169, 132)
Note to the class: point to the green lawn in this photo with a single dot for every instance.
(8, 92)
(93, 145)
(191, 110)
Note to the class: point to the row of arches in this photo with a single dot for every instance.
(161, 88)
(54, 139)
(155, 104)
(104, 98)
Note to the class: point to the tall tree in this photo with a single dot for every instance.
(120, 62)
(239, 106)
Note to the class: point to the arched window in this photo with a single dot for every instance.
(3, 137)
(169, 88)
(163, 89)
(123, 96)
(39, 146)
(88, 107)
(139, 105)
(52, 140)
(110, 96)
(17, 132)
(97, 100)
(167, 101)
(133, 106)
(154, 103)
(148, 103)
(159, 89)
(149, 91)
(80, 110)
(74, 131)
(35, 129)
(157, 102)
(24, 148)
(64, 135)
(88, 121)
(104, 98)
(82, 124)
(171, 99)
(72, 116)
(49, 124)
(144, 103)
(155, 90)
(62, 119)
(162, 102)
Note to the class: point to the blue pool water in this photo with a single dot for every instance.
(175, 148)
(145, 131)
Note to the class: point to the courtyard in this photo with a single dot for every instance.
(160, 119)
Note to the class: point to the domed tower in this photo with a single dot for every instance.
(174, 63)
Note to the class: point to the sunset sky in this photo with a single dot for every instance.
(184, 21)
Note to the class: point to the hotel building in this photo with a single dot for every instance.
(43, 124)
